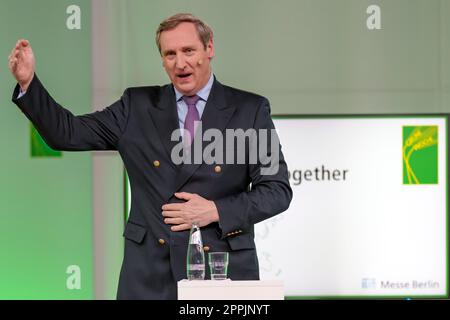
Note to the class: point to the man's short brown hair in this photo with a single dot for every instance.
(205, 33)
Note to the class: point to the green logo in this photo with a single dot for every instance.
(38, 146)
(420, 155)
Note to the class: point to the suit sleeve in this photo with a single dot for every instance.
(270, 193)
(62, 130)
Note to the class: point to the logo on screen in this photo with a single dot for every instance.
(369, 283)
(420, 155)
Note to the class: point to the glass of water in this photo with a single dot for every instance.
(218, 265)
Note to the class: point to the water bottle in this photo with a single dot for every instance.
(195, 261)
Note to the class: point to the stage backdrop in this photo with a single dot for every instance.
(306, 56)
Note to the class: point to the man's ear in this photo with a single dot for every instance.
(210, 49)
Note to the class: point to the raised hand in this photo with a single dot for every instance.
(21, 63)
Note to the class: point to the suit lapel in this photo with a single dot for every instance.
(165, 117)
(216, 115)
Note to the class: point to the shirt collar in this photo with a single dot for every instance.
(203, 93)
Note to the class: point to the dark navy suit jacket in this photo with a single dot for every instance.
(139, 126)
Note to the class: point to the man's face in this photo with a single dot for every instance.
(185, 59)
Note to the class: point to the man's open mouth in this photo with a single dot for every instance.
(184, 75)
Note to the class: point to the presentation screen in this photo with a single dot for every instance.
(369, 212)
(369, 215)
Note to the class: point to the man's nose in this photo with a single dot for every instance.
(180, 62)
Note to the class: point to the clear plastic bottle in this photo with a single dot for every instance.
(195, 260)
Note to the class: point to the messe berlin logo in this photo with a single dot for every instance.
(420, 155)
(369, 283)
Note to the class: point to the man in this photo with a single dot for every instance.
(167, 197)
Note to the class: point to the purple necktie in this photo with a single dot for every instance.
(192, 115)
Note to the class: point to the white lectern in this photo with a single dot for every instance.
(230, 290)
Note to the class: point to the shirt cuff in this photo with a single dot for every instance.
(21, 94)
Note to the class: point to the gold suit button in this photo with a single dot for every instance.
(217, 169)
(156, 163)
(206, 248)
(161, 241)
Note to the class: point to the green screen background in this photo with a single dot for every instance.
(45, 202)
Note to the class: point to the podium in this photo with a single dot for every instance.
(230, 290)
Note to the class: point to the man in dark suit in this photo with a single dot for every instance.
(225, 199)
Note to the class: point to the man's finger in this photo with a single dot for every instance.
(181, 227)
(185, 195)
(11, 61)
(25, 48)
(172, 206)
(171, 214)
(21, 46)
(12, 52)
(176, 221)
(21, 42)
